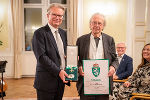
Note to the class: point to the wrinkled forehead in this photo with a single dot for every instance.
(120, 45)
(56, 9)
(97, 18)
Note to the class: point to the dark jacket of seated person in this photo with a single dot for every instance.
(125, 68)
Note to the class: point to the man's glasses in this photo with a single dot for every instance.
(55, 15)
(97, 23)
(120, 47)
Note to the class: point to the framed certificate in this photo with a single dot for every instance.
(72, 61)
(96, 80)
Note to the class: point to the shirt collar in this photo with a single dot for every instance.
(97, 37)
(120, 56)
(52, 28)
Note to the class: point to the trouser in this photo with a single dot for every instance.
(49, 95)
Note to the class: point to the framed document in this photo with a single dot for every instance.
(96, 80)
(72, 61)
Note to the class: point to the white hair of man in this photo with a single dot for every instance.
(99, 14)
(121, 43)
(55, 5)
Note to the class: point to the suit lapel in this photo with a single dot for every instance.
(87, 45)
(105, 45)
(48, 30)
(122, 60)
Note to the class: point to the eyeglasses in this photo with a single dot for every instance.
(97, 23)
(120, 47)
(55, 15)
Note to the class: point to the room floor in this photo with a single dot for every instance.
(22, 89)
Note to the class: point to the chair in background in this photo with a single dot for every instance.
(120, 81)
(135, 95)
(140, 96)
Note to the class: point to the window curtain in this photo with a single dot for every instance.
(73, 22)
(17, 21)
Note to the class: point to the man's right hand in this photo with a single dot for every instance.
(62, 75)
(81, 71)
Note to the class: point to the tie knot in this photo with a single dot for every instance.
(56, 31)
(97, 38)
(119, 56)
(56, 35)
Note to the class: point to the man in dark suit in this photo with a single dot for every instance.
(125, 67)
(95, 45)
(49, 46)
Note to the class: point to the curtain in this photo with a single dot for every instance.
(73, 22)
(17, 21)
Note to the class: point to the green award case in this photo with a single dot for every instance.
(72, 72)
(72, 61)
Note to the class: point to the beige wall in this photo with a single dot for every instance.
(4, 21)
(115, 26)
(116, 16)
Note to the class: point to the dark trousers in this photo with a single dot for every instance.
(48, 95)
(43, 95)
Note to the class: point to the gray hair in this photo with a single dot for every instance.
(99, 14)
(120, 43)
(55, 5)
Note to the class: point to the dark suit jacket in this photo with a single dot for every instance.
(48, 59)
(125, 68)
(83, 44)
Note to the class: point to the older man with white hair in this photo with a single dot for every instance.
(125, 67)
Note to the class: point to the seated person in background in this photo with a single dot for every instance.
(125, 67)
(139, 82)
